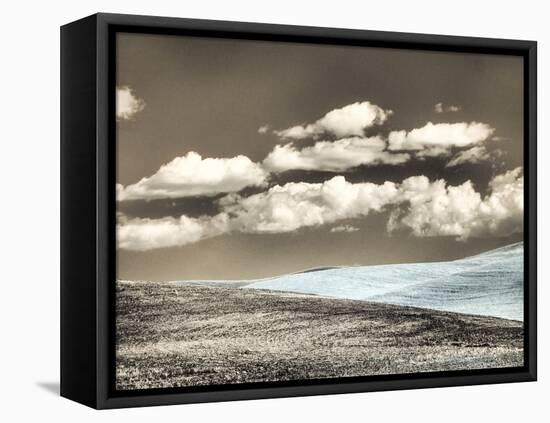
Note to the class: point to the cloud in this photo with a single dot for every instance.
(348, 121)
(473, 155)
(263, 129)
(127, 104)
(344, 228)
(426, 208)
(435, 139)
(148, 234)
(191, 175)
(334, 156)
(440, 108)
(298, 204)
(280, 209)
(435, 209)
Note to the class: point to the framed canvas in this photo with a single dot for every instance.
(257, 211)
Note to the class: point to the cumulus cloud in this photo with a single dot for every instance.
(435, 139)
(344, 228)
(440, 108)
(147, 234)
(435, 209)
(280, 209)
(127, 104)
(298, 204)
(191, 175)
(334, 156)
(426, 208)
(473, 155)
(348, 121)
(263, 129)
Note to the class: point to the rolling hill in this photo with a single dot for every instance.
(487, 284)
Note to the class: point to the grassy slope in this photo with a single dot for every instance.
(187, 335)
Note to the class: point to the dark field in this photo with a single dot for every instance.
(177, 334)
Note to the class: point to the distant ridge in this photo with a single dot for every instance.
(513, 249)
(318, 269)
(489, 283)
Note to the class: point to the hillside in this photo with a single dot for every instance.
(183, 334)
(489, 284)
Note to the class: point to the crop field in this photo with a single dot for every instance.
(177, 334)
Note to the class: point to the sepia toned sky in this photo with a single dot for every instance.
(244, 159)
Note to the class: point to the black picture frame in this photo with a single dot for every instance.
(88, 208)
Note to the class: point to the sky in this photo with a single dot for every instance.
(241, 159)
